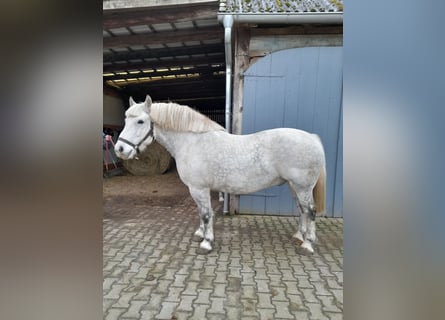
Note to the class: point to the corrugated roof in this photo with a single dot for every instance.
(280, 6)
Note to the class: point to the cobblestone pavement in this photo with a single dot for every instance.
(151, 269)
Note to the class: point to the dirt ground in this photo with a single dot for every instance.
(164, 190)
(156, 190)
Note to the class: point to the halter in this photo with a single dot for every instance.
(136, 146)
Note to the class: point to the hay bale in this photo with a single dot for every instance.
(153, 160)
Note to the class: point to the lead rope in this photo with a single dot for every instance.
(108, 138)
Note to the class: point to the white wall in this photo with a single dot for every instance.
(113, 111)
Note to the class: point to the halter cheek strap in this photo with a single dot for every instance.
(136, 146)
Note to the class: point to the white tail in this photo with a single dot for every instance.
(319, 192)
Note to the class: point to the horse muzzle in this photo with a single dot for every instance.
(124, 151)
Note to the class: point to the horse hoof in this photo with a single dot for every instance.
(196, 238)
(306, 249)
(202, 251)
(298, 238)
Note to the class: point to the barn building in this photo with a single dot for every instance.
(250, 65)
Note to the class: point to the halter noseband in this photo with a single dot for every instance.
(136, 146)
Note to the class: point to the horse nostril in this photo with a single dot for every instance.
(121, 149)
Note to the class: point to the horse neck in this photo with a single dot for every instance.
(170, 140)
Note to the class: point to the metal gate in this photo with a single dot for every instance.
(297, 88)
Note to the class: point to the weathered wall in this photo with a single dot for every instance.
(113, 111)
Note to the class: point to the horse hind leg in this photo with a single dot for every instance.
(205, 230)
(198, 236)
(305, 234)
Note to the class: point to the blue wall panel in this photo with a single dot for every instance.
(297, 88)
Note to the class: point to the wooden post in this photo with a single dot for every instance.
(241, 64)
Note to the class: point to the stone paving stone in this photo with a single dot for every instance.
(180, 315)
(167, 311)
(264, 301)
(214, 316)
(263, 286)
(320, 289)
(107, 283)
(266, 314)
(134, 310)
(260, 274)
(203, 296)
(186, 303)
(332, 283)
(152, 269)
(234, 284)
(124, 300)
(282, 310)
(217, 305)
(114, 314)
(278, 294)
(301, 315)
(248, 279)
(314, 276)
(174, 294)
(148, 314)
(275, 280)
(334, 316)
(206, 282)
(292, 287)
(315, 310)
(200, 312)
(195, 275)
(338, 294)
(303, 282)
(249, 308)
(191, 288)
(233, 299)
(248, 292)
(296, 303)
(308, 295)
(144, 293)
(155, 302)
(179, 280)
(233, 312)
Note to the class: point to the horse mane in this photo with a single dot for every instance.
(175, 117)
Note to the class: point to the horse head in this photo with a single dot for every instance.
(137, 134)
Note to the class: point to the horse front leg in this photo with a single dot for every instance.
(205, 230)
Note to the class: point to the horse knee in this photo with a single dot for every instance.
(206, 218)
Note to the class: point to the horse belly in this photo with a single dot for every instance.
(244, 179)
(253, 185)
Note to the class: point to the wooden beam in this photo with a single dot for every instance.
(163, 37)
(184, 84)
(200, 70)
(165, 64)
(157, 95)
(297, 30)
(178, 13)
(184, 89)
(163, 52)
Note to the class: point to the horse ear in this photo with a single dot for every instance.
(132, 101)
(148, 101)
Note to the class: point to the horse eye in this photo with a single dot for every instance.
(141, 121)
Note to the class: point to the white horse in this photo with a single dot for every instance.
(208, 158)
